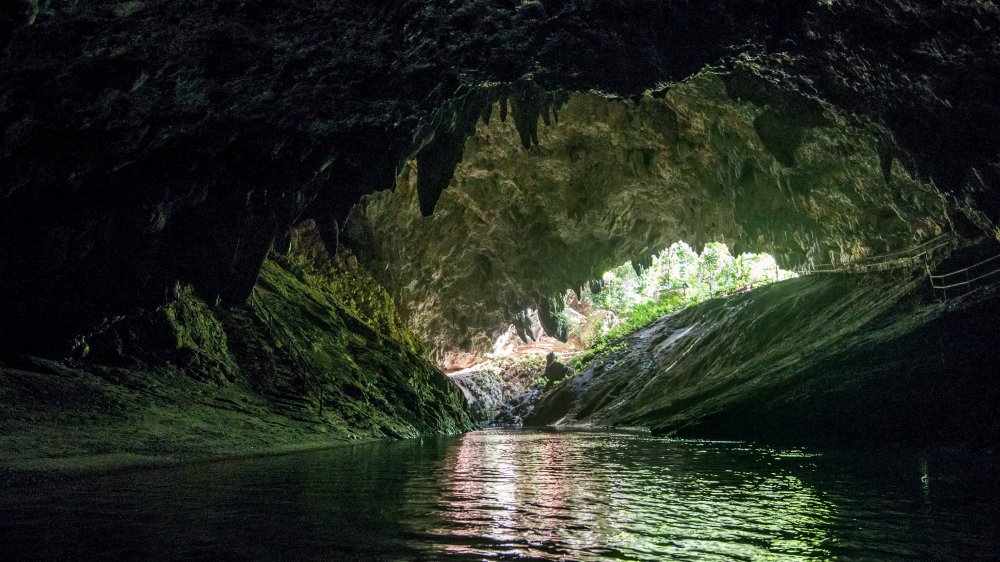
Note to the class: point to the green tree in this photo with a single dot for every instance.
(676, 278)
(714, 263)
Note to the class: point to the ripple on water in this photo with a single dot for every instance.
(592, 495)
(520, 494)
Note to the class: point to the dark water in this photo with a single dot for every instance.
(510, 494)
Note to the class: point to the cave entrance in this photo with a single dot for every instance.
(716, 158)
(543, 348)
(626, 298)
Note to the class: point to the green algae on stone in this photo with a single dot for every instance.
(294, 367)
(345, 281)
(320, 360)
(835, 358)
(126, 9)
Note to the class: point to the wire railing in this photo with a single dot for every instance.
(938, 281)
(913, 257)
(909, 257)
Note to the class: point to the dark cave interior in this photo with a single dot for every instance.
(297, 206)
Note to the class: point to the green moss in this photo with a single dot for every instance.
(341, 279)
(364, 297)
(201, 342)
(639, 316)
(125, 9)
(320, 362)
(292, 367)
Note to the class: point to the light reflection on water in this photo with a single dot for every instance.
(520, 494)
(571, 495)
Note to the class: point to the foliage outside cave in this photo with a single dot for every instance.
(503, 386)
(631, 296)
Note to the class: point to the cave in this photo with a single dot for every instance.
(483, 279)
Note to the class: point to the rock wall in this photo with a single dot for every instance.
(297, 366)
(492, 385)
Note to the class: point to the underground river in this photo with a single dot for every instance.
(519, 494)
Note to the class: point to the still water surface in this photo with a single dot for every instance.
(521, 494)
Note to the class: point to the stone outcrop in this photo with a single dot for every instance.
(316, 357)
(491, 386)
(503, 390)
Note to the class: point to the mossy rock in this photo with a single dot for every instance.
(318, 359)
(201, 343)
(185, 333)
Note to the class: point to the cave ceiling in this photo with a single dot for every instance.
(530, 214)
(146, 143)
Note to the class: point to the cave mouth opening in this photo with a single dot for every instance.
(544, 202)
(620, 301)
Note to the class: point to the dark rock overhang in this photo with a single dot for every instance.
(176, 140)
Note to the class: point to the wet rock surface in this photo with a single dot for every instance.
(314, 359)
(491, 387)
(514, 412)
(520, 407)
(827, 358)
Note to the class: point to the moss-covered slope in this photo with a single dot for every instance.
(296, 366)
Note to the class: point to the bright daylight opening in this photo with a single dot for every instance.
(595, 319)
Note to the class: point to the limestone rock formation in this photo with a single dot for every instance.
(315, 357)
(491, 386)
(147, 146)
(616, 180)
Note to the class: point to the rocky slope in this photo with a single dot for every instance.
(842, 358)
(313, 359)
(490, 386)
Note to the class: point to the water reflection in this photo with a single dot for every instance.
(577, 495)
(509, 494)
